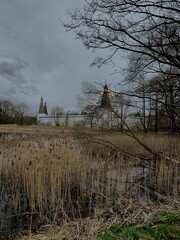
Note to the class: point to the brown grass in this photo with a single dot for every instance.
(166, 145)
(50, 177)
(130, 211)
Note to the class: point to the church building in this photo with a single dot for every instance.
(42, 115)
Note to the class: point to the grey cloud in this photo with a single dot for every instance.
(37, 56)
(25, 90)
(11, 70)
(7, 68)
(11, 91)
(29, 90)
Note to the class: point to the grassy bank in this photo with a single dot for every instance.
(146, 222)
(164, 226)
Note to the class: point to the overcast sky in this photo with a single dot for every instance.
(38, 58)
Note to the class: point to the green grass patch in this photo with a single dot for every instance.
(166, 226)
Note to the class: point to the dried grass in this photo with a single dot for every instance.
(130, 211)
(52, 178)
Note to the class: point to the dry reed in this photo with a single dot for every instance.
(51, 178)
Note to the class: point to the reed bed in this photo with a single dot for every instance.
(167, 146)
(51, 178)
(43, 175)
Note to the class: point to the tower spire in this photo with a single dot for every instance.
(105, 101)
(45, 109)
(41, 106)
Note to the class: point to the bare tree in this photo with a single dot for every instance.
(158, 102)
(89, 100)
(20, 110)
(57, 112)
(166, 91)
(148, 29)
(6, 111)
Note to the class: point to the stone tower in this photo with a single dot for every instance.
(41, 106)
(45, 109)
(105, 101)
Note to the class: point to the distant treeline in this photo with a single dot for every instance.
(11, 113)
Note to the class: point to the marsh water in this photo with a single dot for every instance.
(130, 179)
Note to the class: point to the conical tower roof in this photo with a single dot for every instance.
(41, 106)
(105, 101)
(45, 109)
